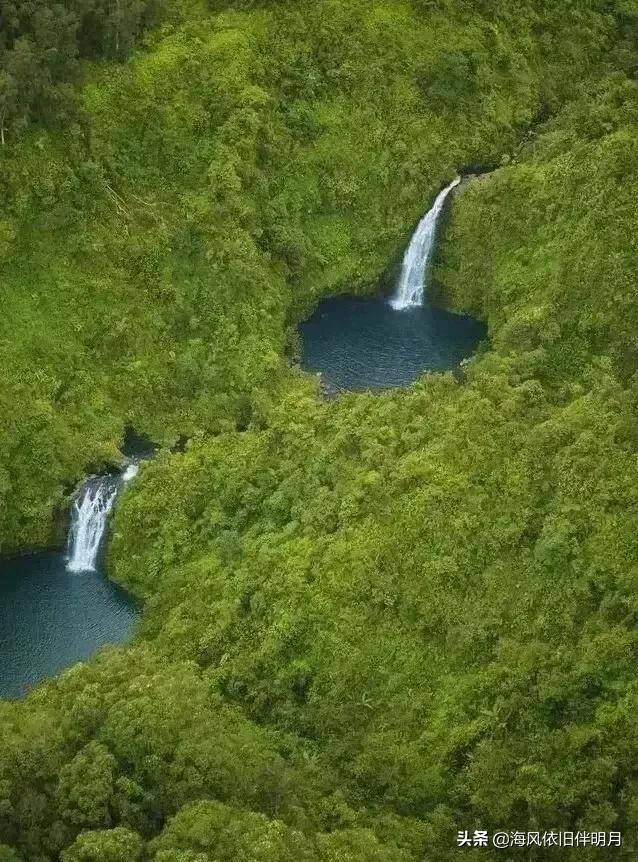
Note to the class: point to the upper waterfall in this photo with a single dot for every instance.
(90, 516)
(411, 289)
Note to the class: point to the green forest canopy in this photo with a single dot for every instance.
(372, 622)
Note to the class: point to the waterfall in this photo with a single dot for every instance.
(90, 516)
(131, 472)
(411, 289)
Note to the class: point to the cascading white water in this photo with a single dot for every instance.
(411, 289)
(89, 519)
(131, 472)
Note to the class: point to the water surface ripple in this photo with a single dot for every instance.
(363, 343)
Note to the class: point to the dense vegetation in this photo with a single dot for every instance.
(41, 43)
(372, 622)
(155, 251)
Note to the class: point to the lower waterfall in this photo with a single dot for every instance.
(89, 518)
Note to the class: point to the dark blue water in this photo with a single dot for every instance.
(50, 618)
(360, 344)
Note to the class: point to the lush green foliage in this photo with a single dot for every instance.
(131, 739)
(40, 44)
(153, 253)
(370, 622)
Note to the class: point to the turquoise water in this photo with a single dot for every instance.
(360, 344)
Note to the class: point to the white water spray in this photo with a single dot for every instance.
(131, 472)
(411, 289)
(90, 517)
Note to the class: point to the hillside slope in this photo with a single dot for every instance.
(154, 250)
(368, 623)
